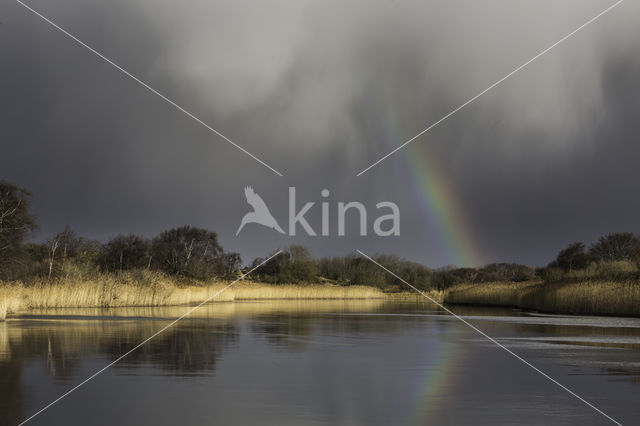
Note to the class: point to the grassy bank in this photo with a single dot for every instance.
(156, 290)
(589, 297)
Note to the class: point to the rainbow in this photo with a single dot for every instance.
(446, 214)
(435, 381)
(437, 199)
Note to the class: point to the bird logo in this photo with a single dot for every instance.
(260, 213)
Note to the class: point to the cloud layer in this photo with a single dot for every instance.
(320, 90)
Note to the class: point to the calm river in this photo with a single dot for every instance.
(318, 363)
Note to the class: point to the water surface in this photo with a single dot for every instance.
(317, 363)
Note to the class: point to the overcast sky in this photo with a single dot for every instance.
(320, 90)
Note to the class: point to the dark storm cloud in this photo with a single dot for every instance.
(312, 88)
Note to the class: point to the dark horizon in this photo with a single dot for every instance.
(36, 237)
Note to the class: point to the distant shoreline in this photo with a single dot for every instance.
(589, 297)
(605, 298)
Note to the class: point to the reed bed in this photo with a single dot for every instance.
(589, 297)
(256, 291)
(105, 292)
(157, 290)
(425, 295)
(11, 299)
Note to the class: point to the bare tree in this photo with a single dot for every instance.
(63, 247)
(53, 245)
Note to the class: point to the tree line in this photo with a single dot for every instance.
(184, 251)
(615, 247)
(196, 253)
(613, 257)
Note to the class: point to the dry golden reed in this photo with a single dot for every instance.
(433, 295)
(251, 291)
(157, 290)
(589, 297)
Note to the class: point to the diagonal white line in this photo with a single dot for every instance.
(483, 334)
(146, 86)
(491, 87)
(189, 312)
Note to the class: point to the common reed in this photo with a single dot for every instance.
(431, 295)
(252, 291)
(11, 298)
(153, 289)
(588, 297)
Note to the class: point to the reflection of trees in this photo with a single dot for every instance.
(52, 345)
(191, 347)
(11, 393)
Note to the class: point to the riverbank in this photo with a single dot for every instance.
(159, 291)
(589, 297)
